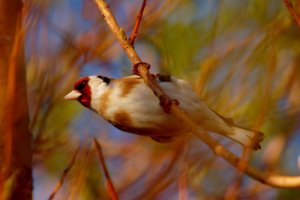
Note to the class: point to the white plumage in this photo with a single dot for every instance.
(130, 105)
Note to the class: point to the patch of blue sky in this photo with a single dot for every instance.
(205, 8)
(290, 156)
(68, 14)
(62, 18)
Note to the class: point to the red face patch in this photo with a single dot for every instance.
(83, 87)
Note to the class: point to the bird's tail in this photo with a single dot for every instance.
(246, 137)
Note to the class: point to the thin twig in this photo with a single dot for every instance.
(79, 180)
(182, 185)
(171, 106)
(161, 179)
(109, 184)
(233, 190)
(183, 168)
(292, 11)
(64, 175)
(137, 23)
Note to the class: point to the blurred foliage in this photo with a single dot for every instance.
(242, 57)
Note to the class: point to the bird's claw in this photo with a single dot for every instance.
(136, 65)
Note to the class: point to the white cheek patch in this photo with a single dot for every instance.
(98, 87)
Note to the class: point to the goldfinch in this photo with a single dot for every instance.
(130, 105)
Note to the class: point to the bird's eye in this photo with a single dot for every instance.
(81, 85)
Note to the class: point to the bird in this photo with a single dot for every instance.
(131, 106)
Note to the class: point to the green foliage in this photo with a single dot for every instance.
(178, 45)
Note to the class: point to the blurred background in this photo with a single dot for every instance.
(241, 57)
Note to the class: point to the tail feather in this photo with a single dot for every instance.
(246, 137)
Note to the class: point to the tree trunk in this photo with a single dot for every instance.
(15, 138)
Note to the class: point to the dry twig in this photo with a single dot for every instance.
(234, 189)
(137, 23)
(109, 184)
(64, 175)
(170, 105)
(160, 180)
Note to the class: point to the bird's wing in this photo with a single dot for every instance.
(196, 108)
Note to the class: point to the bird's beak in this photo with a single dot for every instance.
(73, 95)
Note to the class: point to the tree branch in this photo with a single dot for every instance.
(109, 184)
(137, 23)
(218, 149)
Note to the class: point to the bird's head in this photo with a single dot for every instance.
(87, 89)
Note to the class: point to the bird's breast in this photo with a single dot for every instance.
(134, 108)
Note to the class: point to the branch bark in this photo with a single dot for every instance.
(142, 68)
